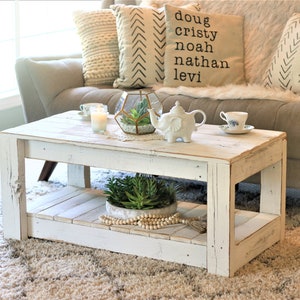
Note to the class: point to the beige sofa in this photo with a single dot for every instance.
(50, 85)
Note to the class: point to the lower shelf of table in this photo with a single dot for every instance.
(72, 215)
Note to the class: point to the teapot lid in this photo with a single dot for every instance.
(177, 109)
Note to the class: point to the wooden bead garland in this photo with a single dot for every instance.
(153, 222)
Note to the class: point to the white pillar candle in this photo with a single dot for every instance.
(99, 119)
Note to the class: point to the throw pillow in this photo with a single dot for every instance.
(284, 69)
(100, 51)
(203, 49)
(141, 37)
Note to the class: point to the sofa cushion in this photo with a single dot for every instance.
(203, 49)
(85, 94)
(284, 69)
(98, 36)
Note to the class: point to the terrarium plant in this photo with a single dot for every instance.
(140, 192)
(132, 114)
(138, 115)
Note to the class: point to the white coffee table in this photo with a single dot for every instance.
(233, 237)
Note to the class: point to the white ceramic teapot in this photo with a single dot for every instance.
(177, 123)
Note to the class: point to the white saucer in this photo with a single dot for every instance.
(83, 116)
(247, 128)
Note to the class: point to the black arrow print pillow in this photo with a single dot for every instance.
(284, 69)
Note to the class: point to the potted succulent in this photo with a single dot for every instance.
(141, 194)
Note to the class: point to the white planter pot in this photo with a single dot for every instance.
(125, 213)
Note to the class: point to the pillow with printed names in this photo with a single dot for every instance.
(203, 49)
(284, 69)
(141, 39)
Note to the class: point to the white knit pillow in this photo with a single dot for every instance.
(98, 35)
(284, 69)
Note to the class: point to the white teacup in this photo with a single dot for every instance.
(236, 120)
(86, 108)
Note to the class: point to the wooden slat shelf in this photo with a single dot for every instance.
(84, 206)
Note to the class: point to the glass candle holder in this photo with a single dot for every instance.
(99, 118)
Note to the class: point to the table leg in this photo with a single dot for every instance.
(47, 170)
(13, 190)
(79, 175)
(220, 219)
(273, 192)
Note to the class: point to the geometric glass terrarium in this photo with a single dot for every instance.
(132, 113)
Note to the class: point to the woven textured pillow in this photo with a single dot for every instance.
(284, 69)
(203, 49)
(98, 36)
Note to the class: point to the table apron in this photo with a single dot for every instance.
(257, 161)
(118, 160)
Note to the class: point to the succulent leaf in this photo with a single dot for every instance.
(140, 192)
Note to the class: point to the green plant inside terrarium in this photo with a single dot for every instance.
(138, 115)
(140, 192)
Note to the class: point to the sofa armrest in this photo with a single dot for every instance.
(40, 79)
